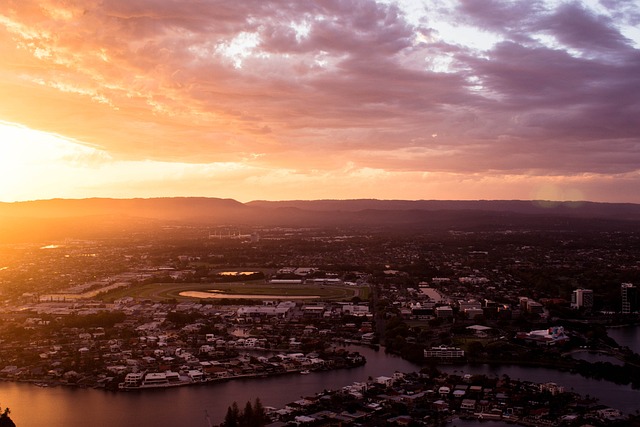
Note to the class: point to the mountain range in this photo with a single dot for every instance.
(49, 218)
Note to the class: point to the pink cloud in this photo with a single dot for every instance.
(319, 84)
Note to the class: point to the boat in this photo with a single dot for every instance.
(305, 372)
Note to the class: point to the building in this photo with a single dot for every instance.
(629, 294)
(444, 312)
(469, 305)
(444, 352)
(133, 379)
(473, 313)
(530, 306)
(553, 336)
(552, 388)
(534, 307)
(582, 298)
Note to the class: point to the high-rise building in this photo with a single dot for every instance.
(629, 298)
(582, 298)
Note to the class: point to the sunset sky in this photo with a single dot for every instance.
(335, 99)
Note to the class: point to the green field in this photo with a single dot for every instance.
(239, 290)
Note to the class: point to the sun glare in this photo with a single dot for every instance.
(12, 153)
(31, 162)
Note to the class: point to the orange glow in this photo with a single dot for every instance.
(39, 165)
(148, 99)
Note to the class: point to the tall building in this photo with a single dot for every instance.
(629, 298)
(582, 298)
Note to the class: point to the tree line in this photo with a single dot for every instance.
(253, 415)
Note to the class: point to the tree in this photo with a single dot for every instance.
(475, 349)
(5, 421)
(232, 419)
(252, 415)
(259, 415)
(247, 415)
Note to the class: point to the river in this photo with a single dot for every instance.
(622, 397)
(626, 336)
(33, 406)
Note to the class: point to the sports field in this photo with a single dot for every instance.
(240, 290)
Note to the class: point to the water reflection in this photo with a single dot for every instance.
(32, 406)
(618, 396)
(592, 357)
(626, 336)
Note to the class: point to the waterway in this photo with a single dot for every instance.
(33, 406)
(592, 357)
(618, 396)
(626, 336)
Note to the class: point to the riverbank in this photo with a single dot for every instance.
(624, 325)
(626, 336)
(278, 365)
(213, 381)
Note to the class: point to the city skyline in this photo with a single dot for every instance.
(337, 100)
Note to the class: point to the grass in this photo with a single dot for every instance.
(165, 291)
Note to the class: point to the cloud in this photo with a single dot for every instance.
(552, 89)
(575, 26)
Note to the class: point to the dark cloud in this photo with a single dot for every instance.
(580, 28)
(500, 16)
(560, 92)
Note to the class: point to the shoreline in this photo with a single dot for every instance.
(48, 383)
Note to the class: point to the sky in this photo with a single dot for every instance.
(335, 99)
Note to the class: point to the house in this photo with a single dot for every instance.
(552, 388)
(386, 381)
(444, 391)
(468, 405)
(458, 394)
(441, 406)
(196, 376)
(401, 420)
(133, 379)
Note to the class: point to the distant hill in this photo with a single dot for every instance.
(57, 218)
(172, 208)
(618, 211)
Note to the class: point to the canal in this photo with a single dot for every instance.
(33, 406)
(626, 336)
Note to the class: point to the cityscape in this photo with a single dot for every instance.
(173, 304)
